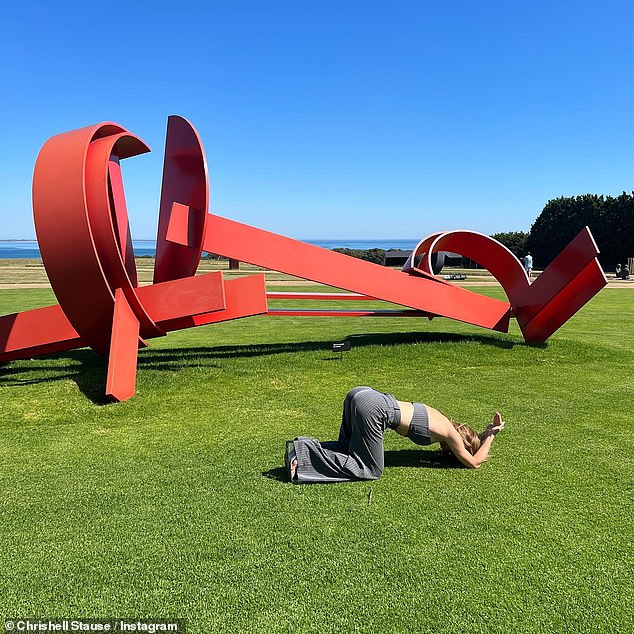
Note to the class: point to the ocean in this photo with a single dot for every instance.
(29, 250)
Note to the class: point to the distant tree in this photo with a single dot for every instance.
(619, 214)
(515, 241)
(611, 220)
(371, 255)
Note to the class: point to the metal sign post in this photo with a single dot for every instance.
(341, 347)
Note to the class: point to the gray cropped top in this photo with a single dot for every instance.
(419, 426)
(418, 431)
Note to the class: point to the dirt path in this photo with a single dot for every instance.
(464, 283)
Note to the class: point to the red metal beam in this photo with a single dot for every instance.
(184, 297)
(568, 300)
(320, 296)
(245, 297)
(235, 240)
(124, 345)
(325, 312)
(34, 332)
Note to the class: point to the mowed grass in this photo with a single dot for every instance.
(175, 503)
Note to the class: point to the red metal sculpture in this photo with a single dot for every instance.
(83, 232)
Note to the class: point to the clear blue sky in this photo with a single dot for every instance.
(333, 119)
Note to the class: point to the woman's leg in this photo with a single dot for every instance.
(347, 417)
(358, 454)
(368, 418)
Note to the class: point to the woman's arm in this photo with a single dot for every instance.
(454, 441)
(458, 449)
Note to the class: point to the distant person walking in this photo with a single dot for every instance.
(528, 265)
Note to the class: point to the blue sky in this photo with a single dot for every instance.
(333, 119)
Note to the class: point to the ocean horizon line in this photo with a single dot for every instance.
(13, 249)
(299, 239)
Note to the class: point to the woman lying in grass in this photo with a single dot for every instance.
(358, 454)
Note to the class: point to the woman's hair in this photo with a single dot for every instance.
(470, 438)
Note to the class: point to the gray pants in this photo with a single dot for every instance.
(358, 453)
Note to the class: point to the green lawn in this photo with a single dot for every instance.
(175, 504)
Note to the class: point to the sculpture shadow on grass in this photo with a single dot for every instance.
(85, 368)
(420, 458)
(88, 370)
(165, 358)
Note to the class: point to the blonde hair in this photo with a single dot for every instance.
(470, 438)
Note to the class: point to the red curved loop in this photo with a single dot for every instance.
(64, 230)
(487, 252)
(185, 185)
(540, 308)
(412, 264)
(108, 216)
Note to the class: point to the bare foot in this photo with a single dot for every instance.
(290, 460)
